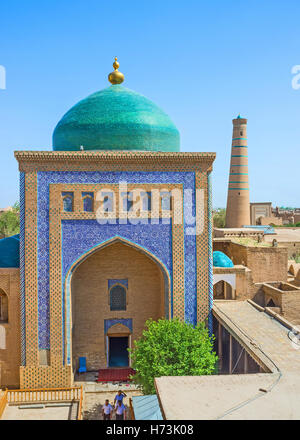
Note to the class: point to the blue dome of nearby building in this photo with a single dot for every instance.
(221, 260)
(116, 118)
(10, 251)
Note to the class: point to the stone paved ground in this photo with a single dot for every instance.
(94, 401)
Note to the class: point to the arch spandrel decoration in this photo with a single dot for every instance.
(123, 282)
(113, 324)
(81, 259)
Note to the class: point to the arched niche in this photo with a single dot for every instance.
(89, 276)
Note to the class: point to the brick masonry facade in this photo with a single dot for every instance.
(266, 263)
(10, 340)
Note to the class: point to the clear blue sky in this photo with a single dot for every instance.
(202, 62)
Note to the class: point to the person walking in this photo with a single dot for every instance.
(120, 410)
(119, 397)
(107, 409)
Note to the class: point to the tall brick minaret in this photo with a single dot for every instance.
(238, 204)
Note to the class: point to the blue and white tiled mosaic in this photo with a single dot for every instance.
(152, 238)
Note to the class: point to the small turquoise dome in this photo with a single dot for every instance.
(116, 118)
(221, 260)
(10, 251)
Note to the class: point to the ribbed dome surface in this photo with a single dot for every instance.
(221, 260)
(116, 118)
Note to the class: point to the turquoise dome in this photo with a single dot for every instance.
(116, 118)
(221, 260)
(10, 251)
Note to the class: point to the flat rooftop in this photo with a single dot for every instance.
(284, 234)
(40, 412)
(274, 395)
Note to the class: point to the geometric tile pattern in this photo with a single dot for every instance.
(31, 297)
(202, 248)
(45, 377)
(41, 226)
(187, 179)
(22, 267)
(210, 259)
(72, 236)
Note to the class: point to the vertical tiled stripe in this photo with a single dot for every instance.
(22, 267)
(202, 248)
(210, 254)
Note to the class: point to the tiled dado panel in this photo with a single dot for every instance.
(74, 234)
(45, 179)
(46, 377)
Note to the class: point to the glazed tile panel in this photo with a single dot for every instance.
(79, 236)
(85, 177)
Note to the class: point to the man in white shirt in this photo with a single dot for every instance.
(107, 410)
(120, 410)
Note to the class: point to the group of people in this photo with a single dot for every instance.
(119, 407)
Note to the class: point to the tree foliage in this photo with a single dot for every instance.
(171, 348)
(219, 218)
(10, 222)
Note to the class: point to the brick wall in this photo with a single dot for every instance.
(291, 306)
(266, 263)
(293, 248)
(243, 280)
(286, 298)
(10, 340)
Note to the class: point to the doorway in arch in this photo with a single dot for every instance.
(118, 353)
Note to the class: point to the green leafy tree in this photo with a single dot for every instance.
(219, 218)
(171, 348)
(10, 222)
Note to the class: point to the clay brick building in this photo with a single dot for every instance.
(257, 273)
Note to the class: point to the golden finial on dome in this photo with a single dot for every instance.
(116, 77)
